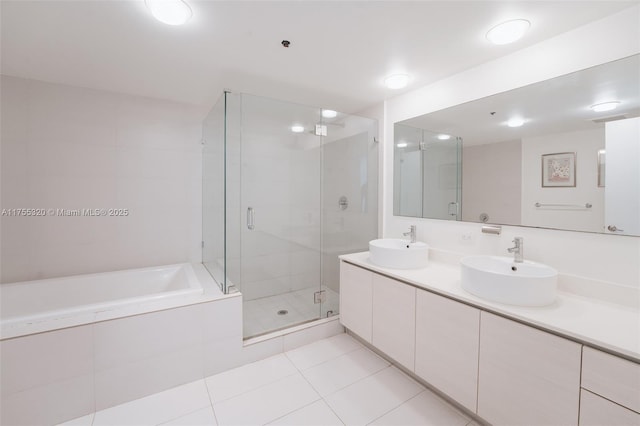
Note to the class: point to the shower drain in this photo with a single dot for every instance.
(283, 312)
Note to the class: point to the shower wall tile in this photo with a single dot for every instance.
(261, 268)
(266, 288)
(73, 148)
(306, 280)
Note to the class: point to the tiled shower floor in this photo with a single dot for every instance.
(261, 315)
(334, 381)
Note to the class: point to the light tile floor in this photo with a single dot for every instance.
(261, 315)
(334, 381)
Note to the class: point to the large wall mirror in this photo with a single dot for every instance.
(562, 154)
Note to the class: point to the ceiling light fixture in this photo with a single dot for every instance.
(170, 12)
(402, 145)
(444, 137)
(605, 106)
(296, 128)
(508, 32)
(515, 122)
(396, 81)
(329, 113)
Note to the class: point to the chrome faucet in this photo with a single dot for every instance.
(411, 233)
(517, 250)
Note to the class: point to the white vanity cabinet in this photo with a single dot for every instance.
(611, 389)
(447, 336)
(356, 299)
(506, 372)
(379, 310)
(526, 376)
(394, 319)
(597, 411)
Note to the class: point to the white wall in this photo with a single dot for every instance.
(491, 182)
(585, 144)
(600, 257)
(622, 175)
(71, 148)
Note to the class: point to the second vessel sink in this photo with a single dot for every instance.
(398, 254)
(500, 279)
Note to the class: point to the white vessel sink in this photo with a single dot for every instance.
(502, 280)
(398, 254)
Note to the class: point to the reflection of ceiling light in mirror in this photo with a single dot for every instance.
(296, 128)
(444, 137)
(508, 32)
(515, 122)
(402, 145)
(171, 12)
(329, 113)
(605, 106)
(396, 81)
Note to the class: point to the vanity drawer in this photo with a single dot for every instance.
(611, 377)
(597, 411)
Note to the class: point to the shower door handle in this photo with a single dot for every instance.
(250, 219)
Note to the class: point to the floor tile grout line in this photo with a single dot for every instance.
(291, 412)
(213, 410)
(327, 360)
(357, 380)
(399, 405)
(182, 415)
(256, 388)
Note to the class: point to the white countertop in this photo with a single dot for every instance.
(611, 327)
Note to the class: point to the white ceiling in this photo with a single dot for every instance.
(340, 50)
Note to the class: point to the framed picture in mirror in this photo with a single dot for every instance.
(559, 170)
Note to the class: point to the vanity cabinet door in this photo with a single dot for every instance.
(356, 299)
(447, 342)
(597, 411)
(526, 376)
(394, 319)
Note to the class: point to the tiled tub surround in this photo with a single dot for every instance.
(576, 361)
(97, 360)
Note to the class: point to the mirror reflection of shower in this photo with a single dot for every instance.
(427, 173)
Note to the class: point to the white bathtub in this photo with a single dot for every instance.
(43, 305)
(84, 343)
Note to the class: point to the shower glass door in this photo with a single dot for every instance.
(280, 160)
(286, 190)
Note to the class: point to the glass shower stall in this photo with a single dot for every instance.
(286, 189)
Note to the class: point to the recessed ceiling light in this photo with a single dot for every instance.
(329, 113)
(402, 145)
(296, 128)
(515, 122)
(171, 12)
(605, 106)
(508, 32)
(396, 81)
(444, 137)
